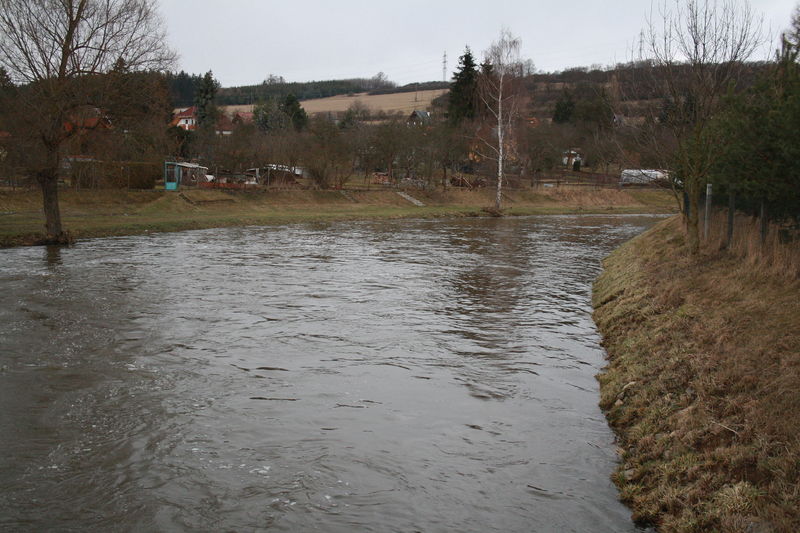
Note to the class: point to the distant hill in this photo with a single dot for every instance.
(628, 86)
(629, 90)
(311, 90)
(398, 102)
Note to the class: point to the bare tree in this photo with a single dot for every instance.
(497, 86)
(697, 49)
(55, 48)
(326, 154)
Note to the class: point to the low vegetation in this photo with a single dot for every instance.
(96, 213)
(701, 387)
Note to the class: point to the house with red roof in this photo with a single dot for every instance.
(185, 118)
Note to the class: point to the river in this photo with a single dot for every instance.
(410, 375)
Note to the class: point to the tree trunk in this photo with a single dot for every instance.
(48, 180)
(499, 196)
(500, 152)
(731, 220)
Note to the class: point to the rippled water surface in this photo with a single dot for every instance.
(371, 376)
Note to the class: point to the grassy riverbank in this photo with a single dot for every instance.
(702, 385)
(104, 213)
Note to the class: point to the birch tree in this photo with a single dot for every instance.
(497, 87)
(55, 49)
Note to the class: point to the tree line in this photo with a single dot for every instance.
(182, 87)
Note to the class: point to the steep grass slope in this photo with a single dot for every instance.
(703, 385)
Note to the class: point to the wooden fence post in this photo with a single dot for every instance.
(709, 189)
(731, 212)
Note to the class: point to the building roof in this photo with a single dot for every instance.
(185, 165)
(189, 112)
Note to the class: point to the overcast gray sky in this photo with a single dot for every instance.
(243, 41)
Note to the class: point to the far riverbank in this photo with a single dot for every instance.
(103, 213)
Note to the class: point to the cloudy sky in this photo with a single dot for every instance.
(243, 41)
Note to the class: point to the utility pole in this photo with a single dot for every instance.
(444, 67)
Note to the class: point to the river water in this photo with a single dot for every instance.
(399, 376)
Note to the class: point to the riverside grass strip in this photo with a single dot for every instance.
(702, 385)
(100, 213)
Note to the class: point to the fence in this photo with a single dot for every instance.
(764, 233)
(93, 174)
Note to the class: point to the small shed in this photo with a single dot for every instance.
(176, 173)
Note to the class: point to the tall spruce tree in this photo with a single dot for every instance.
(464, 90)
(297, 115)
(204, 98)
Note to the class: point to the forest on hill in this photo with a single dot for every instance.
(183, 86)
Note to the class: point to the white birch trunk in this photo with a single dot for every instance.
(500, 148)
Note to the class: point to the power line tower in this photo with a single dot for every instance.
(444, 67)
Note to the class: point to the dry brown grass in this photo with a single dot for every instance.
(388, 103)
(772, 255)
(709, 349)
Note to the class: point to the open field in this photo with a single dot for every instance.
(701, 387)
(108, 212)
(389, 103)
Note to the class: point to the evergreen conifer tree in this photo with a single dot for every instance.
(292, 108)
(565, 107)
(463, 90)
(204, 99)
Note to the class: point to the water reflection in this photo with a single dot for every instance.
(52, 255)
(373, 376)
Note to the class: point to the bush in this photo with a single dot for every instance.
(114, 174)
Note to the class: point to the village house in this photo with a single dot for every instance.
(185, 118)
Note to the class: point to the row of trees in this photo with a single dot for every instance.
(276, 87)
(758, 153)
(334, 152)
(717, 123)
